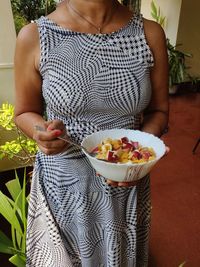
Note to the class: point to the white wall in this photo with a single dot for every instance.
(169, 9)
(7, 47)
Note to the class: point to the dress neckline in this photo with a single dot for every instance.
(61, 28)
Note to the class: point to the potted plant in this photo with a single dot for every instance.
(177, 59)
(177, 67)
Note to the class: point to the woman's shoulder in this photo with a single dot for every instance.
(153, 30)
(28, 44)
(28, 35)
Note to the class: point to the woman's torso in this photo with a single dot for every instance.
(95, 81)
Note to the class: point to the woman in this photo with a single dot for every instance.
(91, 65)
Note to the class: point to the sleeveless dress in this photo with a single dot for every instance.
(91, 82)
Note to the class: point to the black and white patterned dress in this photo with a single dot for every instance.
(91, 82)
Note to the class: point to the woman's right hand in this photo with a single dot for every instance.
(48, 141)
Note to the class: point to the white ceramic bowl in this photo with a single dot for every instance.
(123, 172)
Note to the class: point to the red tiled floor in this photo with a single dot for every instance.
(175, 184)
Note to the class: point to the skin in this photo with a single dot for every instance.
(28, 101)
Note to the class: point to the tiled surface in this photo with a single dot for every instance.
(175, 184)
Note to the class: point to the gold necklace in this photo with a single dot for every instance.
(98, 28)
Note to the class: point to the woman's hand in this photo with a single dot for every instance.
(48, 141)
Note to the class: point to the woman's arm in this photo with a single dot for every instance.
(28, 93)
(156, 115)
(28, 97)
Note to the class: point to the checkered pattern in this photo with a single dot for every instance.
(90, 82)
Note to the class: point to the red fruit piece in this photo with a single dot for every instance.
(124, 140)
(111, 157)
(146, 155)
(136, 155)
(135, 144)
(95, 150)
(127, 146)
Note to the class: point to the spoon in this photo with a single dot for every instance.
(41, 129)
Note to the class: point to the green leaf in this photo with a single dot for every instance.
(5, 244)
(162, 21)
(24, 202)
(8, 212)
(153, 7)
(154, 16)
(18, 260)
(14, 188)
(7, 116)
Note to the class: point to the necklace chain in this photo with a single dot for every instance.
(98, 28)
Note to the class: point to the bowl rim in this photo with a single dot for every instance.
(127, 163)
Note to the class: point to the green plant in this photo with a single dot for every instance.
(156, 14)
(24, 11)
(21, 148)
(177, 58)
(14, 210)
(14, 207)
(177, 65)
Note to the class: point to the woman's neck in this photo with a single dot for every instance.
(99, 11)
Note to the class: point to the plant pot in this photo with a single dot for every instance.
(173, 89)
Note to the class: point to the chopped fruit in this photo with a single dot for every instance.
(95, 150)
(111, 157)
(135, 144)
(136, 155)
(127, 146)
(106, 147)
(116, 144)
(124, 140)
(123, 150)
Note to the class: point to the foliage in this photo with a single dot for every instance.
(156, 14)
(21, 148)
(177, 65)
(6, 116)
(19, 22)
(25, 11)
(14, 210)
(177, 59)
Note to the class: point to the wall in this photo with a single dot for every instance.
(7, 47)
(189, 33)
(169, 9)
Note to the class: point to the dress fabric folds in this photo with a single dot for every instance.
(91, 82)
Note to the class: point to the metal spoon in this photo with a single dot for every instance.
(41, 129)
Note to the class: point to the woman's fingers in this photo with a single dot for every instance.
(55, 125)
(127, 184)
(52, 151)
(120, 184)
(167, 150)
(110, 182)
(46, 135)
(47, 139)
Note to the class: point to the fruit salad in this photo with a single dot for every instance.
(123, 151)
